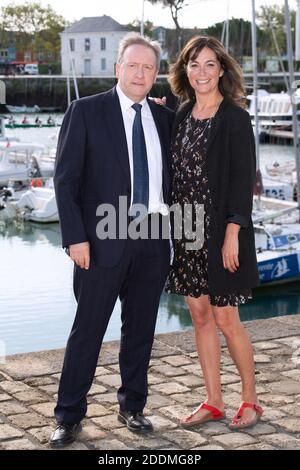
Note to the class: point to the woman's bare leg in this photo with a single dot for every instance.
(241, 351)
(208, 347)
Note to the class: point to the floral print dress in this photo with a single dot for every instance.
(188, 275)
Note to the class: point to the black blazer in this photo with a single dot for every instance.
(231, 165)
(92, 168)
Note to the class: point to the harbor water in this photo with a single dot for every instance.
(37, 305)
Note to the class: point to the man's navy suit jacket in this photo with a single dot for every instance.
(92, 168)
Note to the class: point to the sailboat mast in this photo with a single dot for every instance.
(68, 89)
(227, 28)
(297, 55)
(294, 106)
(143, 18)
(255, 82)
(72, 70)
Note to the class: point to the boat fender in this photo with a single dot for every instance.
(36, 183)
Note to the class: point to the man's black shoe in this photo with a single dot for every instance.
(135, 421)
(64, 434)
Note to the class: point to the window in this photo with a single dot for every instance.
(103, 64)
(103, 44)
(72, 45)
(18, 156)
(87, 44)
(162, 37)
(87, 67)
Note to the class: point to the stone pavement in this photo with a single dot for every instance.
(29, 382)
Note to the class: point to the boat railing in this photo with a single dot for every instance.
(274, 215)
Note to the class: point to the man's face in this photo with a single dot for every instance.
(137, 72)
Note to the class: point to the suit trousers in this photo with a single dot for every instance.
(138, 280)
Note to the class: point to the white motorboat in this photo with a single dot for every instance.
(274, 109)
(23, 109)
(274, 210)
(277, 239)
(38, 205)
(20, 161)
(286, 169)
(278, 252)
(282, 187)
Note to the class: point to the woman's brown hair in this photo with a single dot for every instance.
(231, 84)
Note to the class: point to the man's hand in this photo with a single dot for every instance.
(80, 254)
(230, 250)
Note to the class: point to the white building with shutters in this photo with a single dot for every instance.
(92, 46)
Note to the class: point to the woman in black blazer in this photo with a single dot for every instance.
(213, 165)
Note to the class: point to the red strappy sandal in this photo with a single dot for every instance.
(215, 415)
(235, 420)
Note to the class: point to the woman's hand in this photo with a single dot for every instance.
(230, 249)
(161, 101)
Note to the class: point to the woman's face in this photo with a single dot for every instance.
(204, 72)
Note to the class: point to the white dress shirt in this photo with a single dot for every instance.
(154, 156)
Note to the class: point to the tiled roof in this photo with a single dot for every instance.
(95, 24)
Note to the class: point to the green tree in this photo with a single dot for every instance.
(273, 17)
(35, 26)
(136, 26)
(239, 36)
(175, 6)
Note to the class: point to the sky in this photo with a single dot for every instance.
(199, 13)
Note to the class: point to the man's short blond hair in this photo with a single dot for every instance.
(134, 38)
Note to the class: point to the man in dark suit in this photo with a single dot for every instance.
(113, 144)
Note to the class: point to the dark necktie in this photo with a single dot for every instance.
(140, 161)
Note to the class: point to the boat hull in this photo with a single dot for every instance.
(279, 268)
(27, 126)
